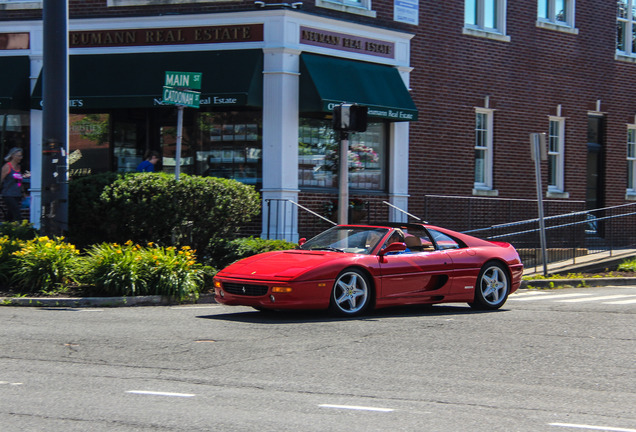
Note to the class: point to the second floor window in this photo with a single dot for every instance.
(559, 12)
(486, 15)
(625, 26)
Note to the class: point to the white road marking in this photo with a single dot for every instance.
(359, 408)
(621, 302)
(590, 427)
(153, 393)
(593, 299)
(550, 296)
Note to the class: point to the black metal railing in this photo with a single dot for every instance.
(569, 237)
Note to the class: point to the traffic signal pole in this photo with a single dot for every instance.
(55, 96)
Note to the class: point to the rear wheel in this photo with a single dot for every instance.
(351, 294)
(493, 287)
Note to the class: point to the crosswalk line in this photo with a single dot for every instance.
(550, 296)
(595, 299)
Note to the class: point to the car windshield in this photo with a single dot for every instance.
(359, 240)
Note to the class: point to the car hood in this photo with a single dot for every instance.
(282, 265)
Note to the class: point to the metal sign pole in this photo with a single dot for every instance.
(177, 159)
(343, 180)
(536, 141)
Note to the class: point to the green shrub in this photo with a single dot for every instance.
(115, 270)
(224, 253)
(130, 270)
(628, 265)
(45, 265)
(154, 207)
(87, 213)
(18, 230)
(8, 246)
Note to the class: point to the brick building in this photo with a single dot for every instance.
(454, 90)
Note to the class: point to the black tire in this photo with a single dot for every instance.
(492, 288)
(352, 293)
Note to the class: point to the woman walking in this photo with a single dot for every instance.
(11, 178)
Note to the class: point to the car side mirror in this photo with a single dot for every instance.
(393, 247)
(302, 241)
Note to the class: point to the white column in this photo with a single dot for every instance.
(399, 169)
(280, 143)
(35, 127)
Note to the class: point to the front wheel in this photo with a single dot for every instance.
(493, 287)
(351, 294)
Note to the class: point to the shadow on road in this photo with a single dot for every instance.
(292, 317)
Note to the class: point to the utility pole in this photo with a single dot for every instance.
(55, 96)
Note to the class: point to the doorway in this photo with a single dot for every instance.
(595, 181)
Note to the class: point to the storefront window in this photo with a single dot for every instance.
(230, 146)
(318, 156)
(14, 132)
(89, 143)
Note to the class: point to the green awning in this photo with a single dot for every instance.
(14, 83)
(328, 81)
(230, 78)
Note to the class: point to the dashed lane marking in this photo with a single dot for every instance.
(354, 407)
(154, 393)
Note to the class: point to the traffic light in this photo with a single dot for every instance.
(350, 117)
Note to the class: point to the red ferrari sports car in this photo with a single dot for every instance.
(351, 269)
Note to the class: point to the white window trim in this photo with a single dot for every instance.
(480, 29)
(558, 190)
(627, 54)
(551, 22)
(364, 8)
(20, 4)
(630, 193)
(486, 188)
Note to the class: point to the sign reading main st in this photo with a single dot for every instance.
(190, 80)
(179, 89)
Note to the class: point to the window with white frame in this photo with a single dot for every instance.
(626, 27)
(559, 12)
(360, 7)
(485, 15)
(20, 4)
(631, 160)
(483, 148)
(556, 144)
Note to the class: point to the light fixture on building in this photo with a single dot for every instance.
(262, 4)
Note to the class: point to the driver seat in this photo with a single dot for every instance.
(414, 243)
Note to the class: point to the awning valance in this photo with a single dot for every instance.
(328, 81)
(103, 81)
(14, 83)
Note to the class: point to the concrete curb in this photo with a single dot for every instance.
(581, 282)
(68, 302)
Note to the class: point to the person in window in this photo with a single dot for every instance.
(11, 178)
(396, 237)
(148, 165)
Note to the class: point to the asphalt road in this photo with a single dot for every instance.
(561, 360)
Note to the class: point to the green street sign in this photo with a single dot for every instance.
(174, 96)
(189, 80)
